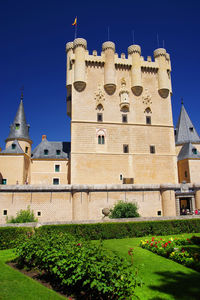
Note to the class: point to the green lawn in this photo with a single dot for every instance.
(163, 278)
(16, 286)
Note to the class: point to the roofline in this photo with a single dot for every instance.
(19, 139)
(50, 158)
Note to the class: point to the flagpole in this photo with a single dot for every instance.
(75, 33)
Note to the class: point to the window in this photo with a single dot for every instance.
(125, 149)
(185, 174)
(39, 213)
(174, 131)
(148, 120)
(55, 181)
(57, 168)
(4, 181)
(191, 129)
(101, 139)
(159, 212)
(46, 152)
(58, 152)
(124, 118)
(17, 126)
(26, 150)
(5, 212)
(152, 149)
(13, 146)
(194, 150)
(120, 176)
(99, 117)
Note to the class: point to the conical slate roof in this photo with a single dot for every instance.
(19, 128)
(185, 131)
(188, 151)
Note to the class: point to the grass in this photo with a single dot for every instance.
(162, 278)
(15, 285)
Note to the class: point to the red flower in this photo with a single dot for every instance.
(169, 242)
(156, 246)
(79, 244)
(155, 243)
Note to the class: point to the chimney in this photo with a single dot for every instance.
(44, 137)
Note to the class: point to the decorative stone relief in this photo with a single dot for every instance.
(99, 96)
(124, 94)
(147, 97)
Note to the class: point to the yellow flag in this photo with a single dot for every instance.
(75, 22)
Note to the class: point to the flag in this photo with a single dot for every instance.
(75, 22)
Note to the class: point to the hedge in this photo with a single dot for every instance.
(126, 229)
(9, 236)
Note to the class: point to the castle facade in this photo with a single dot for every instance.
(123, 143)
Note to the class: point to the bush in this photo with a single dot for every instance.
(125, 229)
(79, 267)
(11, 236)
(124, 210)
(23, 216)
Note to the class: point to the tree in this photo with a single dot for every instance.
(124, 210)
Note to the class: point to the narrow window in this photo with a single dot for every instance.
(13, 146)
(152, 149)
(26, 150)
(4, 181)
(99, 117)
(5, 212)
(99, 139)
(191, 129)
(148, 120)
(194, 150)
(39, 213)
(159, 212)
(124, 118)
(57, 152)
(125, 149)
(185, 174)
(17, 126)
(174, 131)
(55, 181)
(120, 176)
(102, 139)
(46, 152)
(57, 168)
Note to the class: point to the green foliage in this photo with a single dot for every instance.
(23, 216)
(78, 266)
(124, 210)
(125, 229)
(10, 236)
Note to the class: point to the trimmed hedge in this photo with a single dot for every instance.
(126, 229)
(9, 236)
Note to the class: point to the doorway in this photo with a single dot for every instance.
(185, 205)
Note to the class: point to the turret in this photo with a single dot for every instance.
(19, 130)
(160, 56)
(69, 52)
(80, 47)
(136, 77)
(109, 67)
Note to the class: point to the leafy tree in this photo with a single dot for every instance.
(23, 216)
(124, 210)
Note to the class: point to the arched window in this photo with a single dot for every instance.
(101, 139)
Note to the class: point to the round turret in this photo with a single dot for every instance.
(69, 46)
(109, 67)
(160, 56)
(136, 76)
(80, 47)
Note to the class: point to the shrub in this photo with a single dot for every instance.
(125, 229)
(11, 236)
(23, 216)
(124, 210)
(79, 267)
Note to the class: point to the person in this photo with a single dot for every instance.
(196, 211)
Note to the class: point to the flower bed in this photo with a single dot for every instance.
(172, 248)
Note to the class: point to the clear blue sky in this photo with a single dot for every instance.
(33, 35)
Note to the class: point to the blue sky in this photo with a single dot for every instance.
(33, 35)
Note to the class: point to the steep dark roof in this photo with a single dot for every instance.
(19, 128)
(11, 149)
(185, 131)
(52, 147)
(188, 151)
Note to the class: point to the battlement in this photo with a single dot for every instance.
(78, 58)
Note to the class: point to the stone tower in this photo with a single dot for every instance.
(121, 118)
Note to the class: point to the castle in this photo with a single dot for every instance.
(123, 143)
